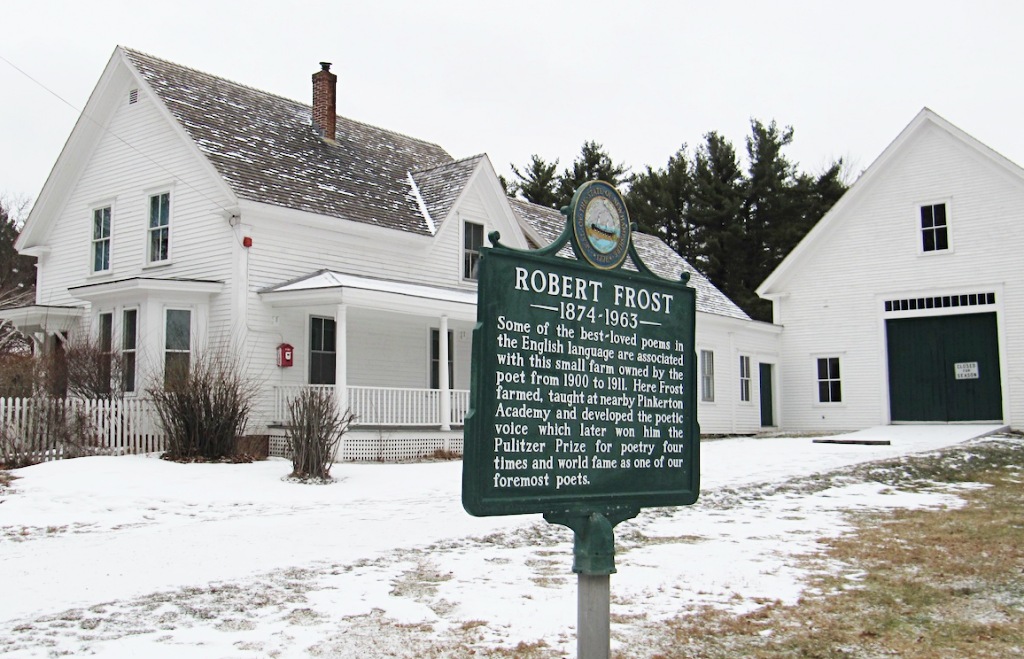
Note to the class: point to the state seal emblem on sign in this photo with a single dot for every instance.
(600, 224)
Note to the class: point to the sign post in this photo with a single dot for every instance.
(583, 397)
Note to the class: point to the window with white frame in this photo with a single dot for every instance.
(323, 355)
(707, 376)
(744, 378)
(472, 241)
(177, 345)
(934, 228)
(159, 228)
(435, 358)
(101, 239)
(129, 348)
(830, 388)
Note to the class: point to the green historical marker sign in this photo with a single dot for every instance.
(583, 397)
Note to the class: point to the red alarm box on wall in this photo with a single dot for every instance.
(285, 355)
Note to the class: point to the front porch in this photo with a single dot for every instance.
(389, 407)
(392, 424)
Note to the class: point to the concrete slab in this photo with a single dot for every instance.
(922, 436)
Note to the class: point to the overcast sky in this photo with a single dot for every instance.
(514, 78)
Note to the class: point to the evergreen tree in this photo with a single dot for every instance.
(659, 202)
(593, 164)
(538, 184)
(17, 278)
(716, 212)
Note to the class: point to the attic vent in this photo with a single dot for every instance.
(941, 302)
(133, 97)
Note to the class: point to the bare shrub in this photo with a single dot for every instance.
(314, 432)
(203, 407)
(93, 372)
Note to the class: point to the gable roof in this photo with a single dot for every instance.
(548, 225)
(266, 148)
(439, 187)
(925, 118)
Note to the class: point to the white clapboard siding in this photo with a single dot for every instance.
(834, 297)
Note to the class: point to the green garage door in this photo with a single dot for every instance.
(944, 368)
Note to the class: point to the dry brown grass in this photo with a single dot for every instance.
(915, 584)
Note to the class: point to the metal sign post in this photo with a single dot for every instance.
(583, 396)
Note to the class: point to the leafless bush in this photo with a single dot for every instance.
(314, 432)
(203, 408)
(90, 371)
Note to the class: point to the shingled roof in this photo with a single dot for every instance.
(267, 150)
(655, 254)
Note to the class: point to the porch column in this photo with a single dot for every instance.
(341, 358)
(442, 381)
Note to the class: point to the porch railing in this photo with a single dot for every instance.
(387, 406)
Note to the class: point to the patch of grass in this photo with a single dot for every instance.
(6, 478)
(914, 583)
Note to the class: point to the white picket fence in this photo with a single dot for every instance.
(53, 428)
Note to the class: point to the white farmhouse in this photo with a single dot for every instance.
(905, 303)
(188, 214)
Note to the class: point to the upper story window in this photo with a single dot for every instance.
(934, 228)
(101, 239)
(830, 389)
(707, 376)
(159, 228)
(472, 241)
(745, 378)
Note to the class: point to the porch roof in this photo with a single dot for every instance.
(37, 317)
(330, 287)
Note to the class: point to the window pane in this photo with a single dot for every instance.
(834, 392)
(926, 217)
(929, 240)
(106, 332)
(175, 367)
(129, 371)
(179, 329)
(322, 367)
(129, 329)
(939, 215)
(159, 210)
(941, 241)
(833, 367)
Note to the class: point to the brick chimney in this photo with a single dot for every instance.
(325, 105)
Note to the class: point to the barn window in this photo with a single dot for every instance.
(744, 378)
(829, 386)
(934, 228)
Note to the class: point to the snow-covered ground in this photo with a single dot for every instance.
(136, 556)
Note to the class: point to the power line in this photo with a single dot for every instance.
(81, 113)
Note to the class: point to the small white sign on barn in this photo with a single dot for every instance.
(966, 370)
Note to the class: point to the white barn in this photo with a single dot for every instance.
(188, 212)
(905, 302)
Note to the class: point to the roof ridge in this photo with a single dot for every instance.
(138, 53)
(459, 161)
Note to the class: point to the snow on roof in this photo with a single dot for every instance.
(266, 149)
(658, 256)
(331, 279)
